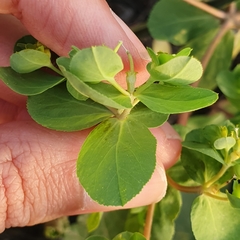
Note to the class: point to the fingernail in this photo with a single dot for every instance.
(162, 175)
(170, 133)
(133, 38)
(144, 55)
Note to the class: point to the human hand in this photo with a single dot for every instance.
(38, 179)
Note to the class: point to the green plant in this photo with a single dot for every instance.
(83, 93)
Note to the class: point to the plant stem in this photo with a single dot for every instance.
(113, 110)
(118, 87)
(211, 10)
(216, 40)
(148, 221)
(131, 75)
(139, 27)
(124, 114)
(216, 177)
(118, 46)
(216, 196)
(194, 189)
(183, 118)
(55, 69)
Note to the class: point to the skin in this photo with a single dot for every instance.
(38, 179)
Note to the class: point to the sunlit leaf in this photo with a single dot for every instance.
(123, 161)
(96, 64)
(29, 60)
(234, 200)
(102, 93)
(93, 221)
(181, 70)
(210, 219)
(236, 170)
(224, 143)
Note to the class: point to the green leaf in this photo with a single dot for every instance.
(236, 170)
(58, 110)
(205, 149)
(224, 143)
(176, 99)
(96, 238)
(119, 151)
(75, 93)
(228, 82)
(29, 84)
(209, 133)
(112, 93)
(166, 211)
(235, 201)
(96, 64)
(129, 236)
(136, 220)
(236, 189)
(111, 224)
(153, 56)
(206, 135)
(202, 120)
(178, 173)
(220, 60)
(180, 23)
(185, 52)
(93, 221)
(181, 70)
(146, 116)
(29, 60)
(200, 167)
(214, 219)
(102, 93)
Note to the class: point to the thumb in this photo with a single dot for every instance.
(81, 23)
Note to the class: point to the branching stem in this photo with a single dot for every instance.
(55, 69)
(148, 221)
(216, 40)
(194, 189)
(113, 110)
(211, 10)
(216, 196)
(216, 177)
